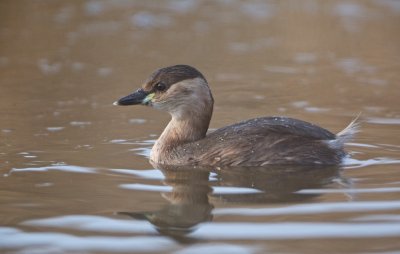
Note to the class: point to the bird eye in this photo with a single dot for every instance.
(160, 86)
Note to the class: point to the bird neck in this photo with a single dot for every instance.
(180, 130)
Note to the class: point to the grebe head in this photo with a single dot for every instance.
(181, 90)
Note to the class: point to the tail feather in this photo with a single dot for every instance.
(347, 134)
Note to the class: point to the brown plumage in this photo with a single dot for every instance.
(182, 91)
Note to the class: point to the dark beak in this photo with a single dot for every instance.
(133, 99)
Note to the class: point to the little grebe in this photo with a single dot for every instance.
(182, 91)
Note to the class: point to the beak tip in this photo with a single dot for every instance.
(135, 98)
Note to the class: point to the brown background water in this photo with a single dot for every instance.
(71, 162)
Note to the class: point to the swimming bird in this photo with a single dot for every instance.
(183, 92)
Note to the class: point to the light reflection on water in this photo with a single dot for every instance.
(294, 230)
(366, 206)
(52, 242)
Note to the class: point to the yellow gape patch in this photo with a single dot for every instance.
(148, 98)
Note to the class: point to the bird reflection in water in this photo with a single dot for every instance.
(188, 202)
(191, 198)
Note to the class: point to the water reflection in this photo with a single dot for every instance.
(278, 184)
(188, 202)
(193, 191)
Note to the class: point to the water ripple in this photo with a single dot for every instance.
(66, 168)
(355, 163)
(358, 190)
(295, 230)
(164, 188)
(339, 207)
(45, 240)
(154, 174)
(93, 223)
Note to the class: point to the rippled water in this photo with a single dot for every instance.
(74, 171)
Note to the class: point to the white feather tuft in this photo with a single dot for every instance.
(347, 134)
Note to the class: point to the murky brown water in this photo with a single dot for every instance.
(74, 172)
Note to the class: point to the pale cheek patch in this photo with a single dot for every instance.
(184, 97)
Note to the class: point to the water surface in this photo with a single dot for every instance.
(74, 172)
